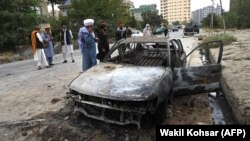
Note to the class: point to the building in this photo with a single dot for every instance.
(143, 9)
(64, 7)
(176, 10)
(43, 8)
(199, 14)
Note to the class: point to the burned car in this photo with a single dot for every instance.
(137, 78)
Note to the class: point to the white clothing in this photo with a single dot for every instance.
(67, 48)
(38, 35)
(40, 57)
(147, 32)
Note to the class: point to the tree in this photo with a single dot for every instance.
(17, 20)
(243, 13)
(216, 21)
(111, 11)
(240, 9)
(176, 23)
(53, 3)
(132, 22)
(231, 19)
(152, 18)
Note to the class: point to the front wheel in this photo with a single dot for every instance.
(161, 112)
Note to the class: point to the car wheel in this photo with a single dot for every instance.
(161, 112)
(146, 121)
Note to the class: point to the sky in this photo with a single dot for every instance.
(195, 4)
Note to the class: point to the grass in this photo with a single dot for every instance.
(237, 59)
(242, 46)
(246, 58)
(226, 39)
(228, 53)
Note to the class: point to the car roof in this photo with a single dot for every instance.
(147, 39)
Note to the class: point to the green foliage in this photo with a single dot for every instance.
(241, 10)
(176, 23)
(217, 21)
(227, 39)
(111, 11)
(152, 18)
(230, 19)
(132, 22)
(243, 14)
(56, 1)
(18, 17)
(246, 58)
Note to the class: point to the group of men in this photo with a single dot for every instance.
(43, 49)
(122, 32)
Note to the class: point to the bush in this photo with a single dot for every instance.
(226, 39)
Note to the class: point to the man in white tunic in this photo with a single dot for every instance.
(66, 42)
(37, 48)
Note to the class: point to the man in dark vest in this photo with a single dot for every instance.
(37, 48)
(66, 42)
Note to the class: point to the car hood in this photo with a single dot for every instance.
(120, 82)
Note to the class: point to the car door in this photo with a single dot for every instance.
(199, 79)
(182, 53)
(177, 53)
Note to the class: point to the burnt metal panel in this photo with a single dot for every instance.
(198, 79)
(120, 82)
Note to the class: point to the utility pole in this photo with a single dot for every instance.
(212, 17)
(223, 20)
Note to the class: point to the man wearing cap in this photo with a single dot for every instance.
(37, 48)
(49, 49)
(88, 45)
(66, 41)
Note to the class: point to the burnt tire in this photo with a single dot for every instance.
(161, 112)
(147, 121)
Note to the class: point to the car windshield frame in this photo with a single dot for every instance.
(132, 44)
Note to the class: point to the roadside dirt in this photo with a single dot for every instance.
(236, 76)
(34, 107)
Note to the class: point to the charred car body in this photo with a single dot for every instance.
(137, 78)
